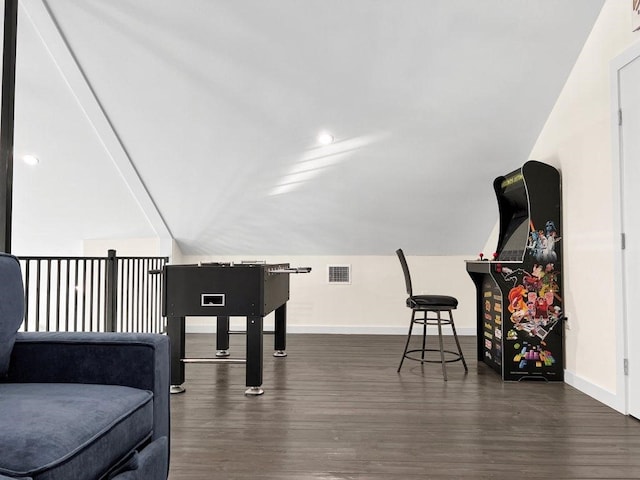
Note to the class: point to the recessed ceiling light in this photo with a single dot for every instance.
(30, 159)
(325, 138)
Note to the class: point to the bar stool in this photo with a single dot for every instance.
(434, 305)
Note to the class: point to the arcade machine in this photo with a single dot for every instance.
(519, 291)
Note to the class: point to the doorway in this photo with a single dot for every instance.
(629, 154)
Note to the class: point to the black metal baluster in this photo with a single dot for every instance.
(147, 297)
(84, 293)
(128, 288)
(99, 321)
(26, 295)
(134, 292)
(160, 297)
(58, 267)
(37, 326)
(131, 295)
(75, 297)
(111, 292)
(48, 299)
(122, 315)
(149, 279)
(132, 298)
(155, 296)
(139, 293)
(91, 295)
(67, 295)
(132, 276)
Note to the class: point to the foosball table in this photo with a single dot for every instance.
(223, 290)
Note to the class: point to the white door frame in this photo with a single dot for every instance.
(622, 342)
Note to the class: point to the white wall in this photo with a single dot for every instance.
(577, 140)
(133, 247)
(372, 303)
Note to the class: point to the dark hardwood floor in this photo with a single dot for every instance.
(335, 408)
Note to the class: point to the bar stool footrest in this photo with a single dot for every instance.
(457, 356)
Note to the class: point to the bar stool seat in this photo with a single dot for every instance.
(432, 308)
(439, 301)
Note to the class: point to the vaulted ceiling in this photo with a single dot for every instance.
(199, 119)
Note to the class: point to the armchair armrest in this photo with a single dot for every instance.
(129, 359)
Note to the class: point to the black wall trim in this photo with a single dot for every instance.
(7, 121)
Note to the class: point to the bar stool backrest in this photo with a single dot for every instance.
(405, 269)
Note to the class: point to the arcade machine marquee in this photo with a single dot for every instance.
(519, 291)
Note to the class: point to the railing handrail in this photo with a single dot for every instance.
(46, 257)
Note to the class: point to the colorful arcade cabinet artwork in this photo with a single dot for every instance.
(519, 291)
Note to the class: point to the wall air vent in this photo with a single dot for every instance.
(339, 274)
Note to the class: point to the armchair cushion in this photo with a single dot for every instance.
(53, 431)
(11, 307)
(135, 360)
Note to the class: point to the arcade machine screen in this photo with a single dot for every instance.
(514, 210)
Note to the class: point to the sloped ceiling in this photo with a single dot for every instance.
(217, 106)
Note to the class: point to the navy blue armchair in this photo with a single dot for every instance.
(79, 405)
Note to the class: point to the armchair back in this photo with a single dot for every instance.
(11, 307)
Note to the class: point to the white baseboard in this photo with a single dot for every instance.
(610, 399)
(342, 330)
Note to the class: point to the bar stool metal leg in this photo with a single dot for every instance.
(406, 345)
(424, 335)
(455, 336)
(442, 360)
